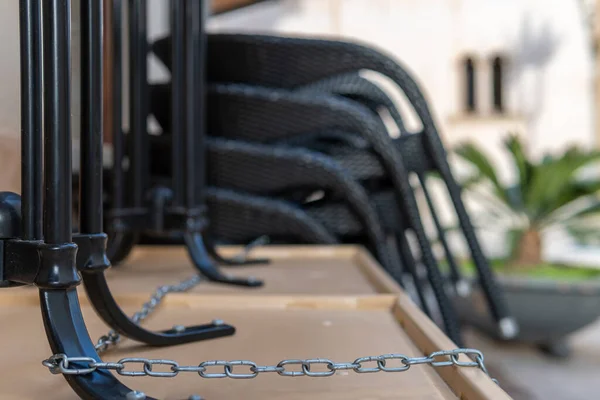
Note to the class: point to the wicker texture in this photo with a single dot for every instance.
(242, 217)
(293, 62)
(269, 115)
(328, 66)
(285, 173)
(265, 115)
(356, 87)
(275, 171)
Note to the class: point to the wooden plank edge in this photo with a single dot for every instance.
(466, 383)
(227, 301)
(282, 302)
(283, 252)
(384, 283)
(375, 274)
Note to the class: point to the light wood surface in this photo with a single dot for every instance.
(467, 383)
(263, 335)
(293, 270)
(352, 309)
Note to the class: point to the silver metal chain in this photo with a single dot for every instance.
(244, 369)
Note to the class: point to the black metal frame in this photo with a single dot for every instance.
(37, 244)
(180, 207)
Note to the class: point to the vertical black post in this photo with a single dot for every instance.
(195, 117)
(30, 20)
(194, 154)
(138, 93)
(121, 240)
(57, 125)
(55, 273)
(91, 261)
(178, 100)
(195, 131)
(118, 182)
(91, 117)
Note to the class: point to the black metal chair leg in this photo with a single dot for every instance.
(58, 277)
(51, 264)
(67, 334)
(201, 260)
(412, 267)
(91, 258)
(120, 244)
(178, 102)
(237, 261)
(108, 309)
(460, 285)
(31, 119)
(138, 114)
(189, 150)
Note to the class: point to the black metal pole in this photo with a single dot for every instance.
(90, 181)
(195, 131)
(121, 240)
(57, 125)
(30, 19)
(91, 256)
(118, 180)
(194, 154)
(178, 99)
(138, 151)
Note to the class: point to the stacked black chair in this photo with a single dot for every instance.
(269, 115)
(291, 174)
(303, 92)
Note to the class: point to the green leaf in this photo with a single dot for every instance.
(544, 190)
(524, 170)
(482, 165)
(554, 184)
(574, 191)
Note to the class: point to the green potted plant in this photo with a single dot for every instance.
(548, 301)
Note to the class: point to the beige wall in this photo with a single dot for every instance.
(10, 120)
(9, 68)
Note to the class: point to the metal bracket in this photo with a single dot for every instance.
(158, 217)
(47, 266)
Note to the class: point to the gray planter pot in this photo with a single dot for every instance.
(546, 310)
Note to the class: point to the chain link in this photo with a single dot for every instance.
(244, 369)
(112, 337)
